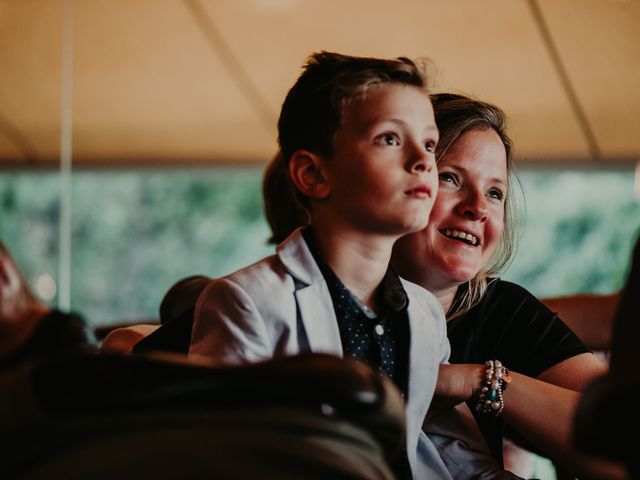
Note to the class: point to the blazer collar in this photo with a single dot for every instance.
(298, 260)
(423, 352)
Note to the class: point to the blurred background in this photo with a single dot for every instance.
(134, 133)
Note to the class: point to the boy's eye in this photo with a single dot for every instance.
(430, 146)
(388, 139)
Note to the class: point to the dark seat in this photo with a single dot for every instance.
(607, 421)
(176, 317)
(111, 416)
(172, 336)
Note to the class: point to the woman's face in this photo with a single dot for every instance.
(467, 220)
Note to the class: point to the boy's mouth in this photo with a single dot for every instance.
(421, 191)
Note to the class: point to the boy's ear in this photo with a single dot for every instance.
(307, 173)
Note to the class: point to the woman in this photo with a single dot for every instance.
(469, 239)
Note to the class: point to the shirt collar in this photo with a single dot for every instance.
(393, 293)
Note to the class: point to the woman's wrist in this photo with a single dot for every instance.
(458, 382)
(495, 381)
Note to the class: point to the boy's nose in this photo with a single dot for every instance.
(422, 161)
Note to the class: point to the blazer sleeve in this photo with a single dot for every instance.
(228, 328)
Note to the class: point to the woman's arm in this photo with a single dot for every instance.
(575, 372)
(540, 411)
(543, 413)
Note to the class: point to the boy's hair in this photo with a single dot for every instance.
(455, 115)
(313, 109)
(281, 206)
(310, 117)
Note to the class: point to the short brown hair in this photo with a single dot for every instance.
(281, 206)
(313, 108)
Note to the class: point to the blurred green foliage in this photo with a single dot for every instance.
(137, 232)
(578, 231)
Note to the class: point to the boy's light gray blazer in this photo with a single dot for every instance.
(281, 306)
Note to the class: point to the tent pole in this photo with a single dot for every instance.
(66, 138)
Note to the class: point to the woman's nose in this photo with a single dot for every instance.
(474, 207)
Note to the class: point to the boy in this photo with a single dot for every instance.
(358, 137)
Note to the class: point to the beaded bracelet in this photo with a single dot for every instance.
(496, 379)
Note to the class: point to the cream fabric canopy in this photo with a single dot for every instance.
(169, 82)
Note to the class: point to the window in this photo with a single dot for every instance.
(134, 233)
(137, 232)
(579, 229)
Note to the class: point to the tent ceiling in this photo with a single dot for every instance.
(166, 82)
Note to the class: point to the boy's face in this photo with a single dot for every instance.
(383, 174)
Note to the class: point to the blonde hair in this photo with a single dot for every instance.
(455, 115)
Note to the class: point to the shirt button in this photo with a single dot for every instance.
(379, 329)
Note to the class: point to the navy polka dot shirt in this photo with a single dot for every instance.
(381, 340)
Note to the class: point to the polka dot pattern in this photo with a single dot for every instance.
(379, 340)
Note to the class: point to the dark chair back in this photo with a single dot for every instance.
(111, 416)
(607, 419)
(172, 336)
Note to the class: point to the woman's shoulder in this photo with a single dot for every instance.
(505, 299)
(498, 288)
(500, 284)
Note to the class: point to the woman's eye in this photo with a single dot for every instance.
(448, 177)
(496, 193)
(389, 139)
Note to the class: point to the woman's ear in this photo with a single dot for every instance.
(307, 173)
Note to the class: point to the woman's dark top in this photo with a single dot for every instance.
(513, 326)
(56, 333)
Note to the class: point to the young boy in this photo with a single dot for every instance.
(358, 137)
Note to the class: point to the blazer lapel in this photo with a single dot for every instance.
(421, 374)
(315, 308)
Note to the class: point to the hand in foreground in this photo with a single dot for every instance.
(17, 302)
